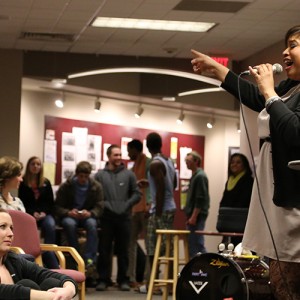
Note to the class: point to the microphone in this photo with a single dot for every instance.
(277, 68)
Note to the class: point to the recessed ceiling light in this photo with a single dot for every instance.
(152, 24)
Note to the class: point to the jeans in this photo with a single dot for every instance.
(196, 241)
(70, 226)
(47, 226)
(115, 229)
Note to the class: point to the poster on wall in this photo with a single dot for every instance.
(94, 151)
(173, 150)
(68, 155)
(124, 142)
(185, 173)
(50, 151)
(80, 135)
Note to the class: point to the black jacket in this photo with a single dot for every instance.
(20, 268)
(45, 202)
(240, 195)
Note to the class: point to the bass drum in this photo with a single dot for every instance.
(211, 276)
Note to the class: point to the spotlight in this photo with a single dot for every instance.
(97, 105)
(238, 127)
(139, 111)
(211, 122)
(59, 102)
(180, 118)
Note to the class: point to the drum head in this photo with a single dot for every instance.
(211, 276)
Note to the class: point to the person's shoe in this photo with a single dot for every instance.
(124, 287)
(101, 286)
(90, 268)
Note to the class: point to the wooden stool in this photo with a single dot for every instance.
(166, 259)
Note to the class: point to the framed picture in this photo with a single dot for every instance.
(232, 150)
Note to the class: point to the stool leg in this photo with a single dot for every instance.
(175, 264)
(167, 254)
(154, 267)
(186, 249)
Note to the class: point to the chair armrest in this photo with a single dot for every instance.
(53, 248)
(17, 250)
(72, 251)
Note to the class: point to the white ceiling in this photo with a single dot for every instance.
(237, 35)
(259, 24)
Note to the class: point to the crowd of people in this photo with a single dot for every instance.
(133, 203)
(127, 204)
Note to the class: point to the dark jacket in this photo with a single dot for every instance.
(20, 268)
(240, 195)
(45, 202)
(284, 134)
(66, 195)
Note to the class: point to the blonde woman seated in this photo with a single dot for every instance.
(22, 279)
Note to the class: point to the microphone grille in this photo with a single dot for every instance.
(277, 68)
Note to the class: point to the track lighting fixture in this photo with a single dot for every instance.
(139, 111)
(211, 122)
(180, 118)
(97, 105)
(238, 127)
(59, 102)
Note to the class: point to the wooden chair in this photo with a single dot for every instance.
(26, 240)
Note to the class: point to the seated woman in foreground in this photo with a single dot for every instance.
(22, 279)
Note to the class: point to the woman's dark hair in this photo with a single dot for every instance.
(9, 167)
(244, 160)
(27, 175)
(295, 30)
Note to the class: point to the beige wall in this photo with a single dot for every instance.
(10, 99)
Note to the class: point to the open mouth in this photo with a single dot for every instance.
(288, 62)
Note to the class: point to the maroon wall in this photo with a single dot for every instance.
(112, 134)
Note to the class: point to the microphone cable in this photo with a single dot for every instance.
(259, 193)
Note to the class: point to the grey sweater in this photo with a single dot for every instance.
(120, 190)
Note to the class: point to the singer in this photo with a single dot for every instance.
(277, 186)
(22, 279)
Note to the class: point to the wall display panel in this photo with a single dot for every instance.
(114, 134)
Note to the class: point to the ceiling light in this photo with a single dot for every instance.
(238, 127)
(139, 111)
(208, 90)
(211, 122)
(169, 99)
(97, 105)
(180, 118)
(148, 24)
(59, 102)
(59, 82)
(183, 74)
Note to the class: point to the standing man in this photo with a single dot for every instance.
(197, 203)
(120, 194)
(79, 203)
(139, 210)
(162, 182)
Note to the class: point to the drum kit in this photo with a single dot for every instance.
(224, 276)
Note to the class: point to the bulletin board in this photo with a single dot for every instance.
(113, 134)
